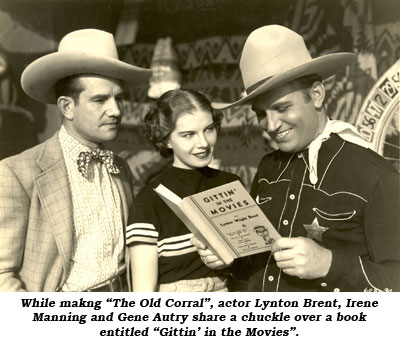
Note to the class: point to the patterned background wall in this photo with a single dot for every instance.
(208, 36)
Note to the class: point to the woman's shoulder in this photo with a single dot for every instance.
(222, 175)
(146, 195)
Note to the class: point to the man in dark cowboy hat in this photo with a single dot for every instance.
(334, 201)
(64, 203)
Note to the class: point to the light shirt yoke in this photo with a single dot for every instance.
(98, 249)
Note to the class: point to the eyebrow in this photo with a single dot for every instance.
(183, 132)
(273, 106)
(280, 104)
(191, 131)
(107, 95)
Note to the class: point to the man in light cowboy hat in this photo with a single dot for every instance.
(334, 201)
(64, 203)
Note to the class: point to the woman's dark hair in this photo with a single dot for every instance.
(161, 119)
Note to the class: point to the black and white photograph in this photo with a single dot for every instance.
(103, 103)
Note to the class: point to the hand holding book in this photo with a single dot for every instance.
(207, 256)
(225, 218)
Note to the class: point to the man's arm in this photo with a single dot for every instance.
(14, 212)
(380, 269)
(339, 268)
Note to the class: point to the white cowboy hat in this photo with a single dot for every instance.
(273, 55)
(87, 51)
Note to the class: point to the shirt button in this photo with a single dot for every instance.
(336, 290)
(270, 278)
(285, 222)
(323, 284)
(292, 196)
(299, 155)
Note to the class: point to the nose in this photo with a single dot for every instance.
(114, 108)
(202, 141)
(272, 122)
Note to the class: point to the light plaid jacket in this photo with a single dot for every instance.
(36, 221)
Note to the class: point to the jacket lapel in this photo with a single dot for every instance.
(125, 189)
(55, 195)
(125, 192)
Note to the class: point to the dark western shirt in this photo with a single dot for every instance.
(353, 210)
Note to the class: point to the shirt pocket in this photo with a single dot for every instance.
(340, 216)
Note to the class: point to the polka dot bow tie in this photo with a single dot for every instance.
(102, 156)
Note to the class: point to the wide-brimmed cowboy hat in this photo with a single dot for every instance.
(274, 55)
(87, 51)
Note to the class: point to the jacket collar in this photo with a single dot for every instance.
(51, 153)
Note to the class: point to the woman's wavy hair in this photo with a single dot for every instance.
(161, 119)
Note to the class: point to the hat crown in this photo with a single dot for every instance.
(269, 51)
(87, 51)
(89, 41)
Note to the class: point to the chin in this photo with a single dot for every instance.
(110, 137)
(199, 165)
(203, 164)
(284, 148)
(289, 147)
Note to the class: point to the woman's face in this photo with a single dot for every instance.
(193, 139)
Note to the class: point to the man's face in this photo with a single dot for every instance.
(288, 117)
(262, 232)
(96, 117)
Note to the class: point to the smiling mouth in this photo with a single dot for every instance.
(282, 134)
(203, 154)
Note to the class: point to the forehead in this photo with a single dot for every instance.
(95, 83)
(285, 92)
(194, 120)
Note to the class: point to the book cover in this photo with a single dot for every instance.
(226, 218)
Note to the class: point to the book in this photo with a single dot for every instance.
(226, 218)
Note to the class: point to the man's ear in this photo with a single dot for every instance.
(318, 94)
(66, 105)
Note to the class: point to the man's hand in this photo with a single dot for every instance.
(302, 257)
(207, 256)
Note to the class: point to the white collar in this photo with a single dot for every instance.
(344, 130)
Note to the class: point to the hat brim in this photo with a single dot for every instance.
(323, 66)
(39, 78)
